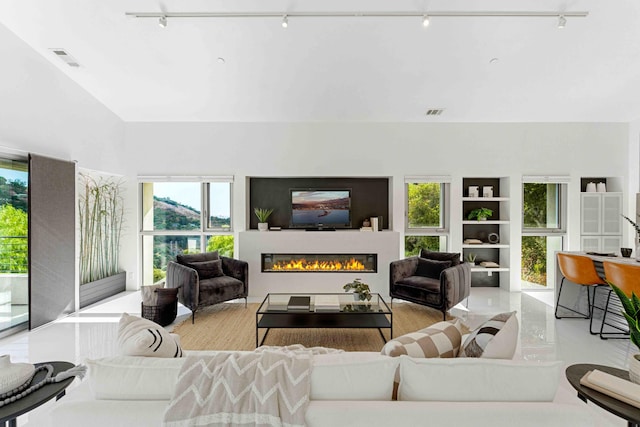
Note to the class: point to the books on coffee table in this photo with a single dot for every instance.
(326, 303)
(299, 303)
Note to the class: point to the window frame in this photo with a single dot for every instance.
(441, 231)
(204, 232)
(562, 210)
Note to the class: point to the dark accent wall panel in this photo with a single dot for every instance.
(52, 257)
(369, 197)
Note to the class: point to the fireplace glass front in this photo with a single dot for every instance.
(323, 263)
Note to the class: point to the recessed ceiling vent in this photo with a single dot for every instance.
(434, 111)
(63, 55)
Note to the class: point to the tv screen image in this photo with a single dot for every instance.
(315, 208)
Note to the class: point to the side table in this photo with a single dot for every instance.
(10, 412)
(628, 412)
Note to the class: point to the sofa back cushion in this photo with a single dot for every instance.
(454, 257)
(353, 376)
(477, 380)
(133, 377)
(184, 259)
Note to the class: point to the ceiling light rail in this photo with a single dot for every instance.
(430, 14)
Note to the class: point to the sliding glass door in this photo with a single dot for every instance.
(14, 279)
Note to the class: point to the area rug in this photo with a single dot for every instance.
(231, 326)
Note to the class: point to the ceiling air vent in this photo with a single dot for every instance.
(63, 55)
(434, 111)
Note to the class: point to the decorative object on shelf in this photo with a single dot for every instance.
(493, 238)
(487, 191)
(471, 258)
(626, 252)
(489, 264)
(481, 214)
(366, 223)
(474, 191)
(637, 228)
(631, 312)
(472, 242)
(263, 215)
(601, 187)
(591, 187)
(360, 290)
(375, 223)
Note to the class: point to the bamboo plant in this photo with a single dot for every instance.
(101, 215)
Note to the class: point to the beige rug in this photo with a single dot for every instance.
(231, 326)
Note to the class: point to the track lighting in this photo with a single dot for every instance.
(562, 21)
(285, 21)
(162, 21)
(425, 21)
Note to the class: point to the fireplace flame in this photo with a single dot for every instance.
(315, 265)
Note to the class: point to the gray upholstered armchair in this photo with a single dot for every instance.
(207, 279)
(435, 279)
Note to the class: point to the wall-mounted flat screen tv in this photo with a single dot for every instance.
(321, 208)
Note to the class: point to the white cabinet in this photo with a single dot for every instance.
(601, 222)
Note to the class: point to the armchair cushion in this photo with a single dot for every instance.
(207, 269)
(185, 259)
(421, 282)
(431, 268)
(454, 257)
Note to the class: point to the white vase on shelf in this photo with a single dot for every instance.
(601, 187)
(591, 187)
(263, 226)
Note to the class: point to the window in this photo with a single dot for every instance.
(542, 230)
(425, 214)
(14, 263)
(183, 216)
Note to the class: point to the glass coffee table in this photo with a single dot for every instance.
(322, 311)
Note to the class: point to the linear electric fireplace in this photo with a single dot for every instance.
(319, 263)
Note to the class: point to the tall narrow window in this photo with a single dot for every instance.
(183, 216)
(426, 227)
(542, 230)
(14, 288)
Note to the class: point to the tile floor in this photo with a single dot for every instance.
(91, 333)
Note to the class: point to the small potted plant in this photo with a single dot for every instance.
(631, 312)
(263, 215)
(481, 214)
(471, 258)
(637, 228)
(360, 290)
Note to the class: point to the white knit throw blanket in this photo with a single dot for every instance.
(268, 387)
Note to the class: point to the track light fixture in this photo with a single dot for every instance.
(562, 21)
(561, 16)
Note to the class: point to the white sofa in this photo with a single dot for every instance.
(348, 389)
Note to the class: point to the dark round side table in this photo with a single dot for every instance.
(10, 412)
(628, 412)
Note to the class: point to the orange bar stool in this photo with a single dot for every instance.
(627, 278)
(581, 271)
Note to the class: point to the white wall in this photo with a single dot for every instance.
(385, 149)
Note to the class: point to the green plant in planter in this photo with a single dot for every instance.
(480, 214)
(359, 288)
(263, 214)
(471, 258)
(631, 313)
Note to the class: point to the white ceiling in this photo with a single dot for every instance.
(344, 69)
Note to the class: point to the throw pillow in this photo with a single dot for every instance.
(431, 268)
(207, 269)
(149, 294)
(495, 339)
(441, 256)
(204, 256)
(441, 339)
(166, 295)
(142, 337)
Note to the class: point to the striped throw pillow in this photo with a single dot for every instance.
(495, 339)
(142, 337)
(441, 339)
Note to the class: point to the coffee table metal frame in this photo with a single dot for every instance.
(273, 313)
(628, 412)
